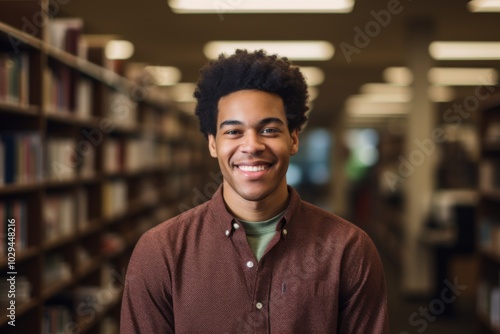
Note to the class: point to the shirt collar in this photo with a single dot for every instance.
(226, 221)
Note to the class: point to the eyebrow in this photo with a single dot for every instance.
(261, 122)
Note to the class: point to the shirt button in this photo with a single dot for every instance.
(285, 232)
(250, 264)
(227, 233)
(236, 226)
(258, 305)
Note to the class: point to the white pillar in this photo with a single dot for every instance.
(419, 184)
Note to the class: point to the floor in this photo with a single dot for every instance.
(406, 316)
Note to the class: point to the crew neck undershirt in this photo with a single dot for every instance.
(259, 234)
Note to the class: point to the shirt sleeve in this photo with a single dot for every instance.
(147, 302)
(363, 303)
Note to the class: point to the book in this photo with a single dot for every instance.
(61, 159)
(59, 215)
(65, 33)
(21, 158)
(14, 78)
(114, 194)
(56, 319)
(122, 110)
(84, 98)
(14, 214)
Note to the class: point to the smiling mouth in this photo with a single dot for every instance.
(253, 168)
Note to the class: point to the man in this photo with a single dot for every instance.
(254, 258)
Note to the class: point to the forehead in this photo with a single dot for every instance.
(250, 105)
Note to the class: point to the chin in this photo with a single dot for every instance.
(256, 195)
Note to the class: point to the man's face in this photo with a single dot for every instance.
(253, 144)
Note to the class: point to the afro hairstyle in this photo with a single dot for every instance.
(250, 70)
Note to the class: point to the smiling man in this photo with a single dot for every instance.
(255, 258)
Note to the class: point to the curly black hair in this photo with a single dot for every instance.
(250, 70)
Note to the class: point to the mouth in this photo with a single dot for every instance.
(253, 169)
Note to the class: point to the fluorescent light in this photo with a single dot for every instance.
(383, 98)
(398, 75)
(451, 76)
(477, 6)
(119, 49)
(260, 6)
(164, 75)
(465, 50)
(359, 106)
(384, 89)
(441, 94)
(295, 50)
(314, 75)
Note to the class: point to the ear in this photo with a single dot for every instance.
(211, 146)
(295, 142)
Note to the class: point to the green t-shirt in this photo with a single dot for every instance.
(259, 234)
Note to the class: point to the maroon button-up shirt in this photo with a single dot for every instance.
(196, 273)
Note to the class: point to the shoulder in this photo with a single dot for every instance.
(333, 231)
(328, 221)
(169, 231)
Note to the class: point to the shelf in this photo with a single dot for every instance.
(21, 36)
(490, 255)
(54, 183)
(11, 108)
(491, 147)
(16, 188)
(92, 227)
(21, 255)
(138, 172)
(84, 325)
(56, 287)
(88, 267)
(491, 195)
(59, 241)
(20, 310)
(71, 119)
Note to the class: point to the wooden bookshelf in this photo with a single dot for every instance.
(488, 222)
(79, 216)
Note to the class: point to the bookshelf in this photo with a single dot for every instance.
(488, 222)
(86, 166)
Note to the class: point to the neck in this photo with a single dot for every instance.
(258, 210)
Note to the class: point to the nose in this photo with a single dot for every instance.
(252, 143)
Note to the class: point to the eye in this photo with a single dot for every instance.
(232, 132)
(270, 131)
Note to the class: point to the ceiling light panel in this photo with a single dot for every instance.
(451, 76)
(465, 50)
(295, 50)
(260, 6)
(477, 6)
(402, 76)
(119, 49)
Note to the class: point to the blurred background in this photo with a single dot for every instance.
(99, 143)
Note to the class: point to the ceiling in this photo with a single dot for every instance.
(164, 38)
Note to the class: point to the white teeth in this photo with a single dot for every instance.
(252, 168)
